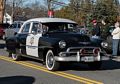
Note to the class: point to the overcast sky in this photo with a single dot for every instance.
(42, 1)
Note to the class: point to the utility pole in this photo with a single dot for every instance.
(13, 6)
(50, 10)
(2, 8)
(51, 4)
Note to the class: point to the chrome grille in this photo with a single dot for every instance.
(88, 50)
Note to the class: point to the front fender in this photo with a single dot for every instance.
(50, 43)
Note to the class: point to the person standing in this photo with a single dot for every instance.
(115, 40)
(96, 28)
(95, 32)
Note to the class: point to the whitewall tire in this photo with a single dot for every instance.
(51, 64)
(16, 56)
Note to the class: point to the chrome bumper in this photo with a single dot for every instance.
(77, 57)
(73, 54)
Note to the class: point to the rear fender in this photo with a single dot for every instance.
(11, 45)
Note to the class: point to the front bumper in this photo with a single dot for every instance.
(73, 54)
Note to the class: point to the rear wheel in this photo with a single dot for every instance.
(17, 55)
(51, 64)
(95, 65)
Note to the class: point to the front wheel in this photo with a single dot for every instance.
(51, 64)
(95, 65)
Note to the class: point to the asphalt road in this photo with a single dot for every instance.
(31, 71)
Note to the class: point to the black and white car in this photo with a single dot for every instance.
(53, 40)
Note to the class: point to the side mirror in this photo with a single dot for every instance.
(39, 31)
(33, 32)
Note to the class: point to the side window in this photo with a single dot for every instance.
(70, 26)
(45, 28)
(26, 28)
(36, 28)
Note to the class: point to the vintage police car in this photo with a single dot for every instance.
(54, 40)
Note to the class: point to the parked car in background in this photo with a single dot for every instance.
(52, 41)
(2, 29)
(82, 30)
(13, 29)
(16, 25)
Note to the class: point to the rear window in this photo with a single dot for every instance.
(60, 26)
(15, 25)
(19, 25)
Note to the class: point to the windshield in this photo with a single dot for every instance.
(16, 25)
(60, 26)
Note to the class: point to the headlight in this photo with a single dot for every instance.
(104, 44)
(62, 44)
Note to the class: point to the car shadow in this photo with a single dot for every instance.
(106, 65)
(110, 65)
(17, 80)
(32, 59)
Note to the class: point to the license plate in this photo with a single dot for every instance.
(88, 59)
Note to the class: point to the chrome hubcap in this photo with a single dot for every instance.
(14, 56)
(50, 60)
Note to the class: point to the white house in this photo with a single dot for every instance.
(7, 18)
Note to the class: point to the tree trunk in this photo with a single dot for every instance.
(2, 3)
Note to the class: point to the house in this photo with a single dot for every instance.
(7, 18)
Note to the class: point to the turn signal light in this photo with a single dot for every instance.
(96, 50)
(82, 51)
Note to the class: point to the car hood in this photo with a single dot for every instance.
(70, 38)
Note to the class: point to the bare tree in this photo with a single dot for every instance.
(35, 10)
(16, 6)
(2, 4)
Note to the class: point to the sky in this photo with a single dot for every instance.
(42, 1)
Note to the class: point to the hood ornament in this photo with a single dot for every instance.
(85, 43)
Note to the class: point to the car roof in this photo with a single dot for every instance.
(18, 21)
(48, 20)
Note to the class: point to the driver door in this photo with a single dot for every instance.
(33, 39)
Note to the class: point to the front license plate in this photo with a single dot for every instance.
(88, 59)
